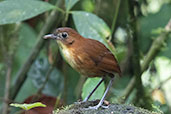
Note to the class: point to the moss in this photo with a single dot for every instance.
(82, 108)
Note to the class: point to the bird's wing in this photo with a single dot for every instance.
(102, 57)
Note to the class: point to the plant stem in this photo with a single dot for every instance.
(150, 56)
(46, 79)
(156, 46)
(49, 71)
(66, 18)
(59, 9)
(140, 94)
(21, 75)
(114, 19)
(7, 87)
(8, 55)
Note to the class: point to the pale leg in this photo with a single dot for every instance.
(93, 90)
(102, 99)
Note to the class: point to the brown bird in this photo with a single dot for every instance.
(87, 56)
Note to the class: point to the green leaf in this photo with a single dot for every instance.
(12, 11)
(38, 71)
(28, 106)
(89, 85)
(72, 84)
(88, 5)
(157, 30)
(70, 3)
(91, 26)
(27, 40)
(27, 89)
(152, 22)
(163, 66)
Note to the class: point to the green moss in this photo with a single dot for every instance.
(82, 108)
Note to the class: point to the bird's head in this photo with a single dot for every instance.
(64, 35)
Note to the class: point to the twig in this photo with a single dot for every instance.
(7, 87)
(156, 46)
(151, 55)
(128, 89)
(80, 84)
(66, 18)
(50, 69)
(46, 79)
(140, 93)
(21, 75)
(38, 95)
(163, 82)
(8, 56)
(126, 64)
(114, 19)
(2, 46)
(98, 4)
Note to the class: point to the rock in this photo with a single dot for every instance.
(82, 108)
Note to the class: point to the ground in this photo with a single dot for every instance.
(82, 108)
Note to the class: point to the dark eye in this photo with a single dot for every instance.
(64, 35)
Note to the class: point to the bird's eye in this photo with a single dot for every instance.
(64, 35)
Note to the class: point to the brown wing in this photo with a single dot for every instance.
(102, 57)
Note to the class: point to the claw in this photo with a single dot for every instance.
(105, 107)
(96, 107)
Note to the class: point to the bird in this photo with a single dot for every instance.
(87, 56)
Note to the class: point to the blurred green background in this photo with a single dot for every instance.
(31, 66)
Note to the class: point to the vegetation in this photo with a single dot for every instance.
(33, 70)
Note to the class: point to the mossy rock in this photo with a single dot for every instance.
(82, 108)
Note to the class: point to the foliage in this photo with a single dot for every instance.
(89, 85)
(28, 106)
(69, 4)
(13, 11)
(22, 26)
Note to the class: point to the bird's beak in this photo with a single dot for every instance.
(50, 36)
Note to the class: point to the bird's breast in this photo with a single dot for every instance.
(80, 61)
(68, 55)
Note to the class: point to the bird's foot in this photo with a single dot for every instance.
(84, 101)
(97, 107)
(81, 102)
(105, 107)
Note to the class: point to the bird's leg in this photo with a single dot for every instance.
(102, 99)
(93, 90)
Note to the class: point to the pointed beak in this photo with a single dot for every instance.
(50, 36)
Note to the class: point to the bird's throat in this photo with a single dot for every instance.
(67, 53)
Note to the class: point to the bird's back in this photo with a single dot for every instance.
(93, 59)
